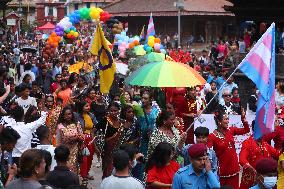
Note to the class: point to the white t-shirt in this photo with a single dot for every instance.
(27, 72)
(25, 131)
(115, 182)
(50, 149)
(25, 104)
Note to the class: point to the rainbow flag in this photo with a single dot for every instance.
(259, 66)
(100, 47)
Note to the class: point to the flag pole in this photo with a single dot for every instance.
(211, 99)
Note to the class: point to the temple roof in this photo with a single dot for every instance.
(167, 8)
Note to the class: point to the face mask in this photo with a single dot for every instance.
(269, 182)
(134, 163)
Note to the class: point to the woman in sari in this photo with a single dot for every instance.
(87, 121)
(52, 117)
(110, 128)
(69, 133)
(166, 132)
(131, 130)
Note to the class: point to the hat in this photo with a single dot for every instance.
(197, 150)
(266, 165)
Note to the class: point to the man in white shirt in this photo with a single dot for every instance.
(121, 179)
(24, 130)
(25, 101)
(44, 138)
(28, 70)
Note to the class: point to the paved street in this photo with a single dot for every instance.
(97, 174)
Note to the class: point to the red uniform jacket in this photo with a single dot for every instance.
(277, 136)
(226, 151)
(250, 153)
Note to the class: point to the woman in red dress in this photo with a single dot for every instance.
(161, 168)
(222, 141)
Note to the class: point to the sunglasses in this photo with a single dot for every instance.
(226, 95)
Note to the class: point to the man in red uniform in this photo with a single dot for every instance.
(253, 150)
(278, 135)
(191, 114)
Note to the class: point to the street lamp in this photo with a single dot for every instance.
(180, 6)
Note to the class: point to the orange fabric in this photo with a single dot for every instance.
(164, 175)
(65, 95)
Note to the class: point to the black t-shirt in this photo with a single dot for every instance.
(99, 111)
(110, 130)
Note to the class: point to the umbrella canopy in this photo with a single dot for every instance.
(156, 57)
(165, 74)
(29, 49)
(139, 50)
(47, 26)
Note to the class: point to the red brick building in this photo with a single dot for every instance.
(49, 11)
(199, 17)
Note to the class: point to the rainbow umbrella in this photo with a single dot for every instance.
(165, 74)
(139, 50)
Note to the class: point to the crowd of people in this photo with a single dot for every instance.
(53, 123)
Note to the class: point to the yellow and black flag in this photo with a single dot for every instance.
(100, 48)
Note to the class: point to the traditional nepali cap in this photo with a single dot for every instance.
(197, 150)
(266, 165)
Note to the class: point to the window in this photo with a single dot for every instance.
(50, 11)
(76, 6)
(65, 10)
(88, 4)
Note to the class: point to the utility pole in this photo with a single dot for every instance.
(19, 21)
(180, 6)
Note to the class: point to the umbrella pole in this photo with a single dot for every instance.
(211, 100)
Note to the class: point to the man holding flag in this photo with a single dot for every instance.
(100, 48)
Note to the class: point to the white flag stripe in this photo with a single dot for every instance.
(264, 53)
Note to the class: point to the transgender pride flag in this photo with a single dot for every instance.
(151, 28)
(259, 66)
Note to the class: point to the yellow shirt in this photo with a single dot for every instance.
(88, 123)
(280, 183)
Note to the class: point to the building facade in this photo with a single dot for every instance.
(26, 9)
(199, 18)
(49, 11)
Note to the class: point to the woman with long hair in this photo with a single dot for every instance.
(110, 129)
(166, 132)
(222, 141)
(52, 118)
(161, 168)
(69, 133)
(91, 97)
(131, 130)
(99, 106)
(87, 121)
(63, 92)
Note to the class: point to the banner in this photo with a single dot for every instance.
(78, 66)
(207, 120)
